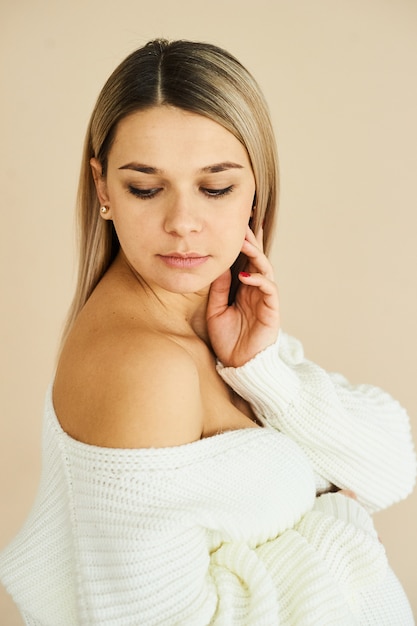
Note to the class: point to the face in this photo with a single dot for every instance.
(179, 188)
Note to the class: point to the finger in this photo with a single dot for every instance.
(257, 239)
(218, 299)
(257, 259)
(252, 238)
(266, 286)
(260, 238)
(267, 293)
(349, 493)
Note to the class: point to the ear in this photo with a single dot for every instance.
(101, 185)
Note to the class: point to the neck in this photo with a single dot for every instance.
(173, 313)
(181, 314)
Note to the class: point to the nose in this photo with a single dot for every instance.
(183, 216)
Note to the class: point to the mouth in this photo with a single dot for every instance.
(186, 260)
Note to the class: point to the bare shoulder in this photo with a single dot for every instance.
(132, 390)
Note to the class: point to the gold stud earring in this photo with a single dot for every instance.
(104, 210)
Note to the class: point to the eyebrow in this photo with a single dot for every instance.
(221, 167)
(211, 169)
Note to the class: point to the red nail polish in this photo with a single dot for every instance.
(244, 274)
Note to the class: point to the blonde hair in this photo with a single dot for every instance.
(197, 77)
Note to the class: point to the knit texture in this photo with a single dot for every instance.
(356, 437)
(226, 530)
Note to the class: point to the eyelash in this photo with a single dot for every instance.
(146, 194)
(218, 193)
(143, 194)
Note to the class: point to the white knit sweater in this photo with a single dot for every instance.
(226, 530)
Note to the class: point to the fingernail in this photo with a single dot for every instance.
(244, 274)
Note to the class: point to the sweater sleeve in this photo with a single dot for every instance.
(356, 437)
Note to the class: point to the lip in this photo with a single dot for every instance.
(187, 260)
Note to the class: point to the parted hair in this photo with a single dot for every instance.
(194, 76)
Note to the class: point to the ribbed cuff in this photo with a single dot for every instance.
(265, 381)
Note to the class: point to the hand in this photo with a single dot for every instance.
(348, 493)
(251, 324)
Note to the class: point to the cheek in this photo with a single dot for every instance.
(131, 233)
(232, 227)
(231, 238)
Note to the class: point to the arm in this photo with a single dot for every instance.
(176, 535)
(169, 534)
(147, 519)
(357, 437)
(134, 391)
(138, 556)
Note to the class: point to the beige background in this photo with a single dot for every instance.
(340, 77)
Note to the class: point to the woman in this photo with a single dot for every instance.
(196, 467)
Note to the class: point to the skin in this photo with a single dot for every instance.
(179, 189)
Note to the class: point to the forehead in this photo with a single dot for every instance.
(168, 134)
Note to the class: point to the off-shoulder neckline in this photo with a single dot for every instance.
(207, 445)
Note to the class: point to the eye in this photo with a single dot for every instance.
(144, 194)
(217, 193)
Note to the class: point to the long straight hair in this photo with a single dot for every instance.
(196, 77)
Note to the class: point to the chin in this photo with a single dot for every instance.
(185, 285)
(189, 290)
